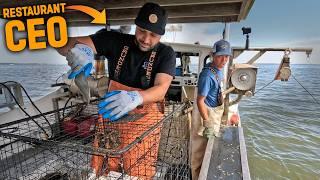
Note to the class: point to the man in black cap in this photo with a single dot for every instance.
(138, 61)
(140, 71)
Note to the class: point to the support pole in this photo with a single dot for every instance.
(227, 71)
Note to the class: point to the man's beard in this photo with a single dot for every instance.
(142, 48)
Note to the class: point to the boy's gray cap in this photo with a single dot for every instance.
(222, 47)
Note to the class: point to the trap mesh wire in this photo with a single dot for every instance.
(139, 146)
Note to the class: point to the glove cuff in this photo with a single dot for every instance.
(137, 96)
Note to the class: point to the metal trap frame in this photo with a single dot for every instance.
(71, 147)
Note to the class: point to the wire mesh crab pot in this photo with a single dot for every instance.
(73, 142)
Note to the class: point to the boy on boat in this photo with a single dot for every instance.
(208, 109)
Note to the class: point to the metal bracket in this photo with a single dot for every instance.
(14, 89)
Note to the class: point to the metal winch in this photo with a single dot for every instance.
(242, 80)
(96, 85)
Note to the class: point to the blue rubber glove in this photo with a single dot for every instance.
(80, 59)
(118, 103)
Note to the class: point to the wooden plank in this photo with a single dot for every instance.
(243, 154)
(116, 4)
(241, 49)
(236, 54)
(185, 19)
(202, 19)
(173, 12)
(86, 22)
(138, 3)
(185, 14)
(17, 3)
(256, 57)
(245, 8)
(203, 10)
(307, 50)
(206, 159)
(122, 12)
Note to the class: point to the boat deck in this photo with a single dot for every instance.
(225, 162)
(225, 156)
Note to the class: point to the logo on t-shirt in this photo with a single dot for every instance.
(145, 65)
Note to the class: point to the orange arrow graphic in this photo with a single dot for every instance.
(99, 17)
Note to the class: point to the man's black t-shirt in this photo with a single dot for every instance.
(133, 70)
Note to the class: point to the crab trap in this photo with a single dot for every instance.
(75, 143)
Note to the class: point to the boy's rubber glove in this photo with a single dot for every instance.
(80, 59)
(118, 103)
(207, 130)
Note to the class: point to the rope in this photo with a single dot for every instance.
(22, 109)
(316, 101)
(59, 77)
(264, 87)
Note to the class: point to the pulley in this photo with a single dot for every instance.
(243, 78)
(284, 71)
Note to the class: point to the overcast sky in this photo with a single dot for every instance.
(274, 23)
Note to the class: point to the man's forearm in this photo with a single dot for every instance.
(72, 41)
(159, 90)
(202, 109)
(153, 94)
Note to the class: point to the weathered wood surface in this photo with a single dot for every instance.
(122, 12)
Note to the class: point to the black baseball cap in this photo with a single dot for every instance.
(152, 17)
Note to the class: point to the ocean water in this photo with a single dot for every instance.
(282, 125)
(35, 78)
(281, 122)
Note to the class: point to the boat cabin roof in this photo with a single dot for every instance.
(123, 12)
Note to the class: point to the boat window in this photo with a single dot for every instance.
(194, 63)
